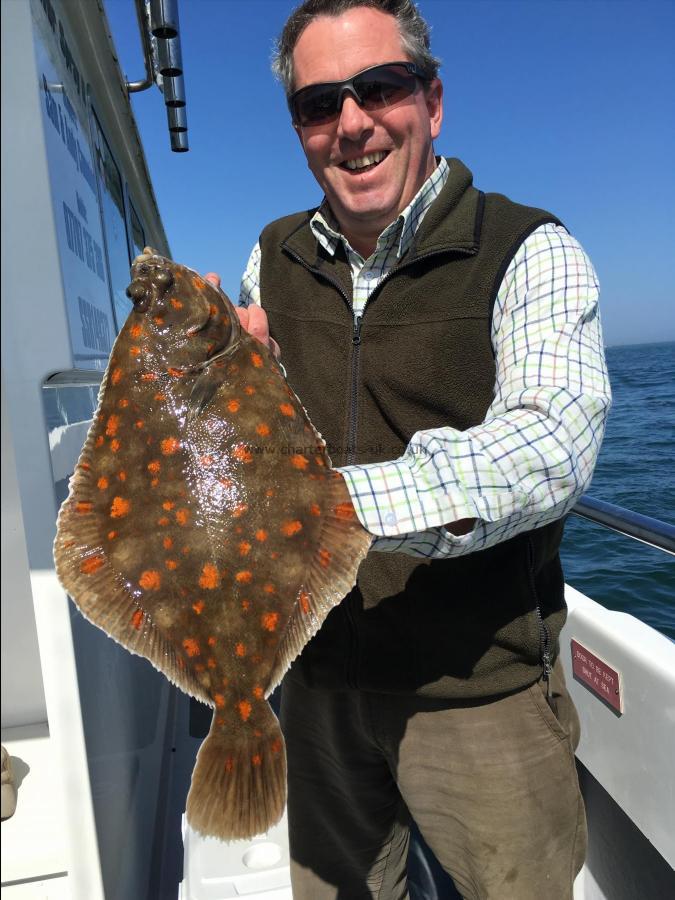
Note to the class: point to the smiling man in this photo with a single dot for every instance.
(447, 344)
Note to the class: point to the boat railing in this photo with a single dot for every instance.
(624, 521)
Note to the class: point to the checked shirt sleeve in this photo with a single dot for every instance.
(249, 290)
(534, 454)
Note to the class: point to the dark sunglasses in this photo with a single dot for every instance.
(373, 88)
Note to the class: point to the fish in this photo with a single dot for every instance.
(206, 530)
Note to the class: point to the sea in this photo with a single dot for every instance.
(636, 470)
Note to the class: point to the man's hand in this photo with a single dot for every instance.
(253, 319)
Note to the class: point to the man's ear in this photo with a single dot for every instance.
(434, 101)
(298, 130)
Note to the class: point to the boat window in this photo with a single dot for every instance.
(114, 223)
(137, 232)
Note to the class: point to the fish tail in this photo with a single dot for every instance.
(239, 782)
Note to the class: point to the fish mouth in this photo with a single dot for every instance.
(151, 277)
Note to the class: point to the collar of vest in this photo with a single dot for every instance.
(453, 223)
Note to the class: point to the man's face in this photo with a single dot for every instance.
(365, 200)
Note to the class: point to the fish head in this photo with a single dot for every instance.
(180, 320)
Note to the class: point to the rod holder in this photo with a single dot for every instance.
(169, 58)
(164, 19)
(179, 142)
(174, 92)
(177, 119)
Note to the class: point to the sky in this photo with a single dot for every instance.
(568, 105)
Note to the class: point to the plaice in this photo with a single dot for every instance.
(205, 529)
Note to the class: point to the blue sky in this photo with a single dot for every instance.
(564, 104)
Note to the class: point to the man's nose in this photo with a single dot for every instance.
(354, 120)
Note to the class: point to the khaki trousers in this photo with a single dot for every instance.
(492, 787)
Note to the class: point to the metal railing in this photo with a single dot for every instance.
(625, 521)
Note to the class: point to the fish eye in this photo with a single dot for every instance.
(163, 278)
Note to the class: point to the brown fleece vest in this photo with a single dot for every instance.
(461, 628)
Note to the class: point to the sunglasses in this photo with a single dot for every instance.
(374, 88)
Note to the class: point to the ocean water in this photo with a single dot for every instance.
(635, 469)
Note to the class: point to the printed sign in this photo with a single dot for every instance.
(75, 201)
(597, 676)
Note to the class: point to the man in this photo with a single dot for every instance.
(447, 345)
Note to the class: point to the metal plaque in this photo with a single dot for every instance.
(597, 676)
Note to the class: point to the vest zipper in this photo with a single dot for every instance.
(544, 636)
(354, 391)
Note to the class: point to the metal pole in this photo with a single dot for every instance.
(625, 521)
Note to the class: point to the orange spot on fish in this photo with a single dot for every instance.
(139, 423)
(263, 429)
(159, 320)
(154, 466)
(175, 373)
(344, 511)
(123, 403)
(199, 283)
(256, 759)
(245, 604)
(239, 509)
(274, 555)
(191, 647)
(287, 410)
(269, 492)
(136, 331)
(85, 466)
(185, 550)
(244, 577)
(150, 580)
(290, 528)
(135, 351)
(176, 303)
(261, 535)
(242, 453)
(91, 565)
(171, 564)
(211, 641)
(198, 606)
(160, 398)
(211, 663)
(303, 600)
(269, 588)
(233, 406)
(163, 521)
(137, 619)
(324, 558)
(99, 441)
(122, 475)
(244, 548)
(276, 745)
(258, 692)
(200, 667)
(154, 482)
(168, 543)
(116, 376)
(182, 516)
(240, 650)
(102, 483)
(148, 376)
(298, 461)
(213, 309)
(120, 508)
(170, 446)
(228, 765)
(269, 621)
(168, 504)
(115, 445)
(210, 578)
(257, 360)
(112, 535)
(244, 708)
(315, 509)
(220, 700)
(249, 389)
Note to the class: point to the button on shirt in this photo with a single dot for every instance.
(532, 457)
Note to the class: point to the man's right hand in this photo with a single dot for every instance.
(253, 319)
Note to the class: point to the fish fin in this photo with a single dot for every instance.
(343, 544)
(238, 785)
(204, 390)
(100, 592)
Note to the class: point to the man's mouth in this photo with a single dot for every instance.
(364, 163)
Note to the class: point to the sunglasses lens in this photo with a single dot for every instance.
(384, 87)
(375, 89)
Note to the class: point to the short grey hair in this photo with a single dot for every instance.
(413, 29)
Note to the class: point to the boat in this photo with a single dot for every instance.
(101, 745)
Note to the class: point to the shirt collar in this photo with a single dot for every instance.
(402, 230)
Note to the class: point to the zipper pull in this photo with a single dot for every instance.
(356, 333)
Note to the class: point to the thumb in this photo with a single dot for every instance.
(213, 277)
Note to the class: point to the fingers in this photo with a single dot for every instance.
(213, 277)
(254, 320)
